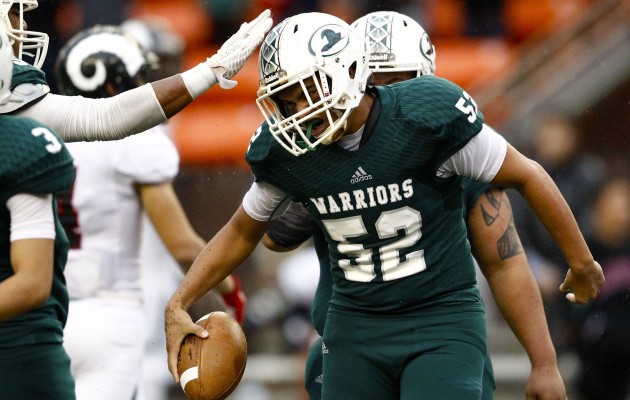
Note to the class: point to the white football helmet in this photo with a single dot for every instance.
(102, 61)
(321, 47)
(32, 46)
(6, 67)
(156, 35)
(396, 43)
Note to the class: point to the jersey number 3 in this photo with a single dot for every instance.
(395, 258)
(53, 146)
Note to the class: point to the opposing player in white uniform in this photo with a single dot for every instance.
(156, 35)
(81, 119)
(115, 182)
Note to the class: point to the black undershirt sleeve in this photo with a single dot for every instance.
(294, 227)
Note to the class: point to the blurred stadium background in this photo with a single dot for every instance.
(520, 59)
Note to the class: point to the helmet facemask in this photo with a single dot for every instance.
(32, 46)
(319, 61)
(325, 106)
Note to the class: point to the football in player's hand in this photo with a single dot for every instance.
(210, 368)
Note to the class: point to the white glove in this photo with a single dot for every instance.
(237, 49)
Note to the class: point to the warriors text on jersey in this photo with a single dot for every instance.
(34, 160)
(395, 231)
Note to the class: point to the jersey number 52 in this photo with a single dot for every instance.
(397, 259)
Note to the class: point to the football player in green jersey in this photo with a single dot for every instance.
(80, 119)
(380, 170)
(34, 166)
(400, 49)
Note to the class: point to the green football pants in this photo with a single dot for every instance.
(36, 372)
(436, 354)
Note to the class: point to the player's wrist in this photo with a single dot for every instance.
(199, 79)
(544, 359)
(583, 267)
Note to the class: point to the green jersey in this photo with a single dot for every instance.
(34, 160)
(471, 190)
(394, 229)
(26, 73)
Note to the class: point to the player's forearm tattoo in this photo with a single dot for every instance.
(509, 243)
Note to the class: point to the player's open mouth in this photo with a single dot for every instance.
(315, 127)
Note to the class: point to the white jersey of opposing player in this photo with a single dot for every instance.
(108, 210)
(104, 332)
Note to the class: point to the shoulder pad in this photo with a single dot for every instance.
(22, 95)
(37, 161)
(260, 144)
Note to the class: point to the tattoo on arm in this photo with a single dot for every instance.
(509, 244)
(489, 216)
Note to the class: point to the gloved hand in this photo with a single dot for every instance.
(235, 300)
(237, 49)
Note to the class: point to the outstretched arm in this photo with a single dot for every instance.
(498, 250)
(81, 119)
(585, 277)
(222, 255)
(178, 91)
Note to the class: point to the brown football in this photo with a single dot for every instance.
(211, 368)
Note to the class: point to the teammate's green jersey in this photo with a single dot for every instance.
(26, 73)
(394, 228)
(33, 160)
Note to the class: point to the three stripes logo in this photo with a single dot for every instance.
(360, 175)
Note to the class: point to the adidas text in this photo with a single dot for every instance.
(360, 175)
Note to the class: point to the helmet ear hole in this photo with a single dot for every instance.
(352, 70)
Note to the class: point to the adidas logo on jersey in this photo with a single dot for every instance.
(360, 175)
